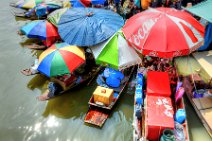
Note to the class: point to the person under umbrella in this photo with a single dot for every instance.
(57, 61)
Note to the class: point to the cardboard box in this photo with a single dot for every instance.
(158, 84)
(159, 115)
(104, 95)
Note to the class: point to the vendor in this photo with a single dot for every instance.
(53, 90)
(32, 70)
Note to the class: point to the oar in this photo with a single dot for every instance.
(94, 75)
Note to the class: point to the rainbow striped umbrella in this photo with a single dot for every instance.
(28, 4)
(60, 59)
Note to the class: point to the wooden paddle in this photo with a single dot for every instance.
(94, 75)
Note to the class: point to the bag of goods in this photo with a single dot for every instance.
(179, 94)
(113, 82)
(180, 116)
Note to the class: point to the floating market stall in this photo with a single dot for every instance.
(144, 32)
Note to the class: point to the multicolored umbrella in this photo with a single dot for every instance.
(40, 29)
(88, 26)
(60, 59)
(116, 52)
(45, 8)
(164, 32)
(28, 4)
(86, 3)
(54, 17)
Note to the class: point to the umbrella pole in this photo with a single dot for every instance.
(192, 76)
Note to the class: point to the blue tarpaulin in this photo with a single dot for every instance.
(208, 39)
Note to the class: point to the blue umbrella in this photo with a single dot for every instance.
(88, 26)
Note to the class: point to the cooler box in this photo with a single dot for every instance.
(158, 84)
(159, 115)
(104, 95)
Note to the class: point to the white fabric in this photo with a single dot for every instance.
(195, 32)
(127, 55)
(97, 49)
(35, 67)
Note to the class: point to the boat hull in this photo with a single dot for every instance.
(98, 114)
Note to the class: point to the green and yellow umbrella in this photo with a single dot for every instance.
(54, 17)
(60, 59)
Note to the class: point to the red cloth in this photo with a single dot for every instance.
(67, 79)
(159, 115)
(158, 84)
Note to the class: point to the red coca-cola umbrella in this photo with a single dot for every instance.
(164, 32)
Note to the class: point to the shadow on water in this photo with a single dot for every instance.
(21, 19)
(29, 41)
(39, 81)
(73, 103)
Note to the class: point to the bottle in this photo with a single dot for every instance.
(179, 132)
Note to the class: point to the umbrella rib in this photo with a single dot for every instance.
(89, 30)
(149, 33)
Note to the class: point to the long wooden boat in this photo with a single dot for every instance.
(98, 113)
(78, 81)
(21, 13)
(202, 105)
(199, 78)
(140, 124)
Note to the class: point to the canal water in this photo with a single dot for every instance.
(24, 118)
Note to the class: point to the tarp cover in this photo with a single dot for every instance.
(202, 9)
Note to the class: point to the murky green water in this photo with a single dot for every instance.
(22, 117)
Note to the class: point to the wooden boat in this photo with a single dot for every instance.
(83, 78)
(205, 61)
(21, 13)
(200, 80)
(140, 124)
(137, 121)
(202, 105)
(98, 113)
